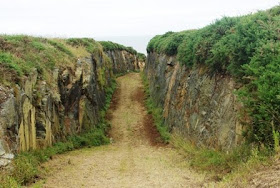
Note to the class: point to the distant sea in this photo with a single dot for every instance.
(139, 43)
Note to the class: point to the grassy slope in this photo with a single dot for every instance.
(111, 46)
(20, 54)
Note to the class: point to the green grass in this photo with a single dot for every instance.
(222, 164)
(20, 54)
(90, 44)
(26, 164)
(60, 47)
(11, 62)
(156, 113)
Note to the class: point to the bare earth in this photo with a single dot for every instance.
(134, 159)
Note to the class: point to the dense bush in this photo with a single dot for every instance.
(261, 94)
(246, 47)
(111, 46)
(167, 43)
(141, 57)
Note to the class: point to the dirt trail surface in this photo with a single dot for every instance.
(134, 159)
(267, 176)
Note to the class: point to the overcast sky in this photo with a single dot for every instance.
(101, 18)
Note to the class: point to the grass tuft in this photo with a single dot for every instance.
(222, 164)
(156, 112)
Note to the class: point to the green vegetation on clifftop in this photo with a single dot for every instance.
(246, 47)
(19, 54)
(111, 46)
(141, 57)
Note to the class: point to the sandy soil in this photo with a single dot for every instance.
(135, 158)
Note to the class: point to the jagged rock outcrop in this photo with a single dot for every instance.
(123, 61)
(196, 104)
(40, 111)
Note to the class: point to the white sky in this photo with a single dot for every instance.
(110, 18)
(99, 18)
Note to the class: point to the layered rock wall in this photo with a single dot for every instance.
(123, 61)
(196, 104)
(41, 111)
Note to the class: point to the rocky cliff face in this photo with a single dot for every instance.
(196, 104)
(39, 111)
(123, 61)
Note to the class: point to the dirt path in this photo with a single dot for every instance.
(266, 176)
(134, 159)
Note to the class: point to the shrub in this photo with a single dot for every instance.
(260, 94)
(111, 46)
(141, 57)
(167, 43)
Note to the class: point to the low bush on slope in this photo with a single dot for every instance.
(20, 54)
(111, 46)
(246, 47)
(141, 57)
